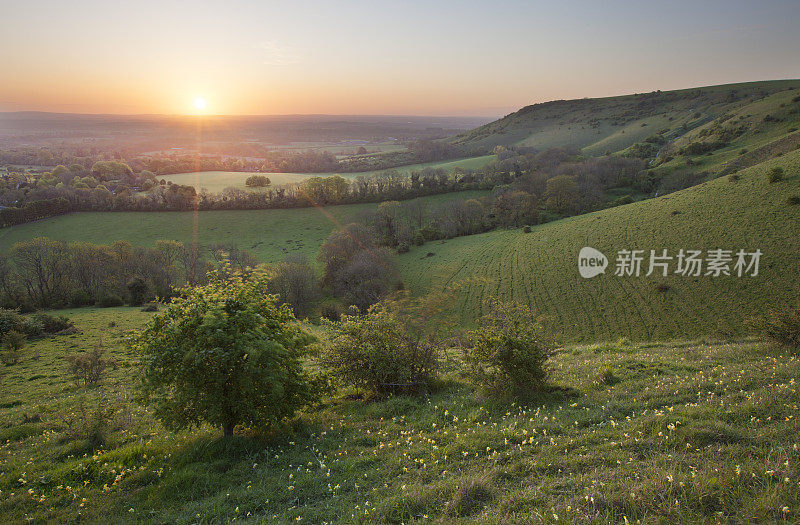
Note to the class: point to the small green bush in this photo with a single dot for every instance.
(418, 239)
(626, 199)
(403, 247)
(526, 229)
(13, 343)
(88, 368)
(52, 324)
(509, 348)
(381, 351)
(793, 200)
(109, 301)
(225, 353)
(11, 320)
(776, 175)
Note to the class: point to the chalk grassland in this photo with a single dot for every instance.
(614, 123)
(271, 235)
(216, 181)
(677, 432)
(540, 268)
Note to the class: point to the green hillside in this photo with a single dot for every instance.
(615, 123)
(271, 235)
(540, 268)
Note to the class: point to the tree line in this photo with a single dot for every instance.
(561, 181)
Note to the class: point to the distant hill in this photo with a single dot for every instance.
(614, 124)
(744, 211)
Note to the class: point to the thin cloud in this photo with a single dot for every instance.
(278, 55)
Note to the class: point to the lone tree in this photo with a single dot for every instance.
(225, 353)
(257, 181)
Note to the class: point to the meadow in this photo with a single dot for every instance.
(216, 181)
(540, 268)
(270, 235)
(692, 431)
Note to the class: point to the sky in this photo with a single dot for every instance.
(378, 57)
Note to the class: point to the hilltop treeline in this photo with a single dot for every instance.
(558, 181)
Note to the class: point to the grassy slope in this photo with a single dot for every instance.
(540, 268)
(216, 181)
(759, 134)
(269, 234)
(614, 123)
(692, 432)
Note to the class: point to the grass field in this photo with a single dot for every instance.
(269, 234)
(216, 181)
(540, 268)
(693, 432)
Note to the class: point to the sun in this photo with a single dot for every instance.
(199, 103)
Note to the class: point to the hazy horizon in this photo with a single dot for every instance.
(361, 115)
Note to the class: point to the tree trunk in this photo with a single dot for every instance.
(227, 429)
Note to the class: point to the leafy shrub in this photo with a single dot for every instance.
(418, 239)
(150, 307)
(11, 320)
(776, 174)
(793, 200)
(109, 301)
(88, 368)
(626, 199)
(509, 348)
(225, 353)
(781, 326)
(51, 324)
(403, 247)
(13, 343)
(526, 229)
(385, 350)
